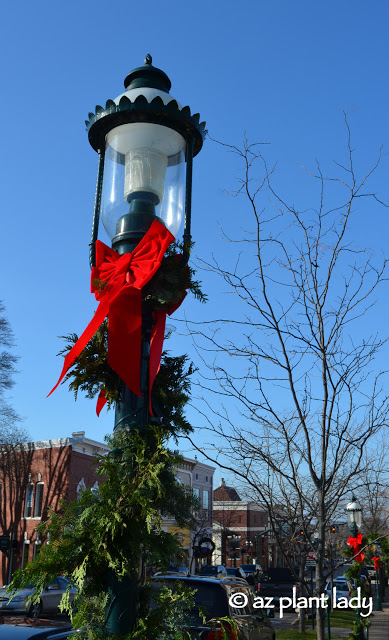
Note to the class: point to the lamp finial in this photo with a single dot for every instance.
(148, 59)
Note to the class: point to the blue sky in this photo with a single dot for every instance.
(281, 72)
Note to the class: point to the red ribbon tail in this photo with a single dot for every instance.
(156, 346)
(125, 337)
(97, 320)
(101, 401)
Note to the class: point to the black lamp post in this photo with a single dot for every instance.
(146, 142)
(354, 519)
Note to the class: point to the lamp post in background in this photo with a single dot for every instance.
(264, 545)
(376, 561)
(354, 520)
(233, 547)
(249, 551)
(146, 142)
(354, 516)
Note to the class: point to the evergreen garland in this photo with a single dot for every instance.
(91, 372)
(354, 572)
(169, 284)
(139, 488)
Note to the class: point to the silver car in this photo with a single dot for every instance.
(343, 588)
(48, 603)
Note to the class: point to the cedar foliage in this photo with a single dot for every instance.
(119, 527)
(91, 373)
(139, 489)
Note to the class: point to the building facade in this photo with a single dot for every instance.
(199, 477)
(240, 530)
(34, 478)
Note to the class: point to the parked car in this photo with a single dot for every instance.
(371, 571)
(365, 577)
(174, 571)
(253, 573)
(15, 632)
(238, 572)
(48, 603)
(276, 583)
(213, 571)
(366, 580)
(213, 597)
(343, 586)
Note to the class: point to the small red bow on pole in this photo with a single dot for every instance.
(356, 543)
(117, 283)
(376, 561)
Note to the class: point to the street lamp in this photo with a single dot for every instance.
(354, 515)
(144, 139)
(146, 142)
(354, 520)
(233, 547)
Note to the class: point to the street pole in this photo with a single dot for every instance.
(328, 621)
(378, 595)
(261, 533)
(354, 518)
(313, 617)
(10, 552)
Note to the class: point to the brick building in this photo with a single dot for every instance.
(240, 530)
(34, 477)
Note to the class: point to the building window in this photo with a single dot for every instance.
(205, 499)
(196, 493)
(29, 500)
(197, 476)
(38, 500)
(26, 549)
(206, 478)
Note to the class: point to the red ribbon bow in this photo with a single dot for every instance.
(356, 543)
(117, 282)
(376, 561)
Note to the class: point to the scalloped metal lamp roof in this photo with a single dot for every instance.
(146, 99)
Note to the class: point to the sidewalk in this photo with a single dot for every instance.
(379, 629)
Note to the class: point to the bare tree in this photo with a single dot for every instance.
(14, 462)
(373, 492)
(298, 400)
(10, 430)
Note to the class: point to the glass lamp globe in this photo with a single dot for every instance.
(354, 513)
(144, 178)
(144, 167)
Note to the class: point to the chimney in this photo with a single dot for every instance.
(78, 435)
(222, 482)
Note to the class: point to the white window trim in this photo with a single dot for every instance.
(29, 484)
